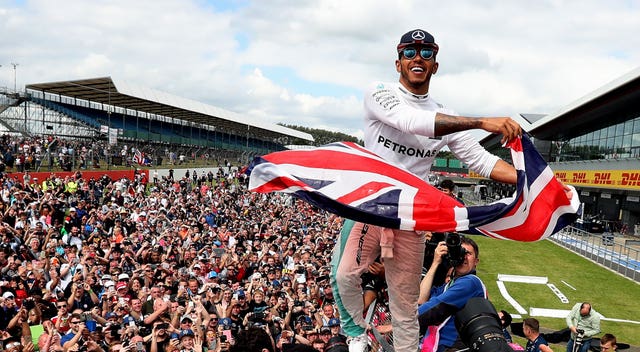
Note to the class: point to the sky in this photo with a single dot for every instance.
(307, 62)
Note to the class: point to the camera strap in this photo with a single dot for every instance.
(365, 228)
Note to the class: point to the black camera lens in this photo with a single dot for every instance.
(479, 327)
(456, 253)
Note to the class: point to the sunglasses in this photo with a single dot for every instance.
(410, 52)
(62, 306)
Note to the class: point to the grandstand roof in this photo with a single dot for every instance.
(119, 93)
(608, 105)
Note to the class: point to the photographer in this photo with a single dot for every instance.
(159, 337)
(584, 323)
(436, 315)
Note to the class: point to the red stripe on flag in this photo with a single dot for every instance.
(343, 160)
(363, 191)
(533, 226)
(278, 184)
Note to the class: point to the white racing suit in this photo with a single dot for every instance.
(400, 128)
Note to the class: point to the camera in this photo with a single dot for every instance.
(479, 327)
(29, 304)
(144, 331)
(456, 252)
(257, 316)
(454, 245)
(114, 333)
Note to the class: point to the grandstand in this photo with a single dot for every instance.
(105, 109)
(593, 144)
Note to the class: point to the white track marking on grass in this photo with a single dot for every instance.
(621, 320)
(564, 282)
(541, 312)
(557, 292)
(549, 313)
(507, 296)
(523, 278)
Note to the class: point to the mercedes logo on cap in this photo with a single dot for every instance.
(418, 35)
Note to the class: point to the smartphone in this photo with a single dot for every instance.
(226, 334)
(235, 296)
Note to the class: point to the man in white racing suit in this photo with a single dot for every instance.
(406, 126)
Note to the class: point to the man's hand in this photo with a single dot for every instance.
(440, 252)
(376, 268)
(506, 126)
(567, 191)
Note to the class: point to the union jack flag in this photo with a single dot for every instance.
(348, 180)
(138, 157)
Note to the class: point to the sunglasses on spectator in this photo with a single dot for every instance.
(410, 52)
(61, 306)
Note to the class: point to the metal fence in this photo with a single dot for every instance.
(613, 252)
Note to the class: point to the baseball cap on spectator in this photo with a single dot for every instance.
(109, 283)
(123, 276)
(333, 322)
(106, 277)
(7, 295)
(337, 344)
(240, 293)
(197, 266)
(128, 319)
(325, 330)
(121, 285)
(275, 283)
(224, 322)
(186, 332)
(110, 315)
(213, 275)
(217, 243)
(72, 209)
(285, 278)
(303, 319)
(186, 317)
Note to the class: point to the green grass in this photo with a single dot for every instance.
(610, 294)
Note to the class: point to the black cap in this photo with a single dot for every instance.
(417, 36)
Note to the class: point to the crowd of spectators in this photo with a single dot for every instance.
(49, 153)
(172, 265)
